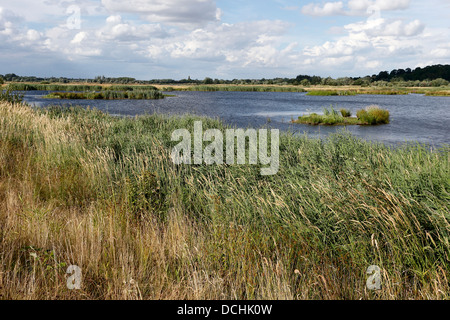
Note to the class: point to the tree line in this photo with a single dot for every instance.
(436, 75)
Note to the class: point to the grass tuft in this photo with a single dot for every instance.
(346, 113)
(372, 115)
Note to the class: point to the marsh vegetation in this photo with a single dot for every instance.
(241, 88)
(372, 115)
(76, 87)
(316, 90)
(81, 187)
(108, 95)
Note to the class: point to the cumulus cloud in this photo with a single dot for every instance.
(328, 9)
(237, 45)
(14, 35)
(71, 43)
(367, 41)
(441, 52)
(187, 13)
(8, 20)
(383, 27)
(354, 7)
(41, 11)
(79, 37)
(245, 43)
(173, 36)
(116, 29)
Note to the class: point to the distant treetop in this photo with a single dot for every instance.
(435, 75)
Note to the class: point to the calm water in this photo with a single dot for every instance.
(413, 117)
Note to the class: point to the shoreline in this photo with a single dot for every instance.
(318, 90)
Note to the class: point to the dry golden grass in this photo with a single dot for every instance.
(220, 234)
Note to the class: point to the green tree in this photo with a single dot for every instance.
(439, 82)
(305, 83)
(208, 81)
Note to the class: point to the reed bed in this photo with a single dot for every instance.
(241, 88)
(372, 115)
(108, 95)
(53, 87)
(438, 93)
(331, 93)
(388, 92)
(76, 87)
(354, 92)
(85, 188)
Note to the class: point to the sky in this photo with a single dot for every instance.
(225, 39)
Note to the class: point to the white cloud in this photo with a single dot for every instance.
(7, 22)
(116, 29)
(245, 43)
(70, 43)
(138, 34)
(33, 35)
(354, 7)
(382, 27)
(368, 41)
(187, 13)
(43, 11)
(373, 64)
(336, 61)
(79, 37)
(114, 19)
(328, 9)
(442, 51)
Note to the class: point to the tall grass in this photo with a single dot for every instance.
(53, 87)
(11, 96)
(373, 115)
(438, 93)
(388, 92)
(315, 91)
(345, 113)
(242, 88)
(76, 87)
(331, 93)
(81, 187)
(358, 91)
(108, 95)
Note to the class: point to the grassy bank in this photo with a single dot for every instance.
(313, 90)
(81, 187)
(317, 90)
(438, 93)
(240, 88)
(355, 92)
(330, 93)
(108, 95)
(77, 87)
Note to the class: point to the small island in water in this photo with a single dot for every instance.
(372, 115)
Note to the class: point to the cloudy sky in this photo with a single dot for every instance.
(227, 39)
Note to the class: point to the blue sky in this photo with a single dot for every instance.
(154, 39)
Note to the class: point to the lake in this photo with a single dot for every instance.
(414, 118)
